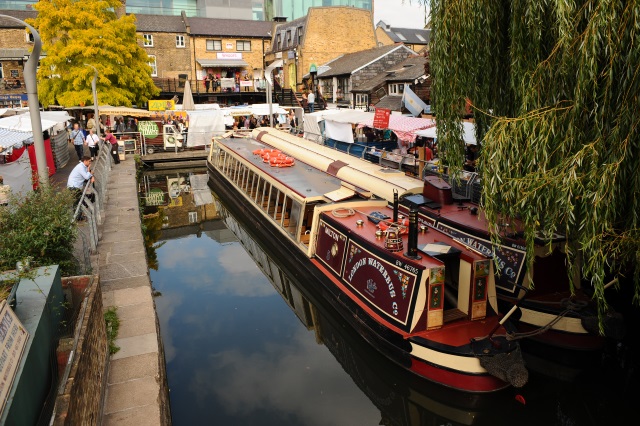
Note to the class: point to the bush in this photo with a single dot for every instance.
(38, 227)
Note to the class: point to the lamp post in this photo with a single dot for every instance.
(31, 84)
(94, 91)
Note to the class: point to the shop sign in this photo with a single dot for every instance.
(246, 83)
(13, 97)
(161, 105)
(229, 55)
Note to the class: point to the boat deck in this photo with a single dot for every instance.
(306, 181)
(430, 243)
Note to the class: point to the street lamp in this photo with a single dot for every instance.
(94, 91)
(31, 84)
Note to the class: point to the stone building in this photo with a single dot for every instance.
(322, 35)
(415, 39)
(15, 47)
(385, 90)
(337, 78)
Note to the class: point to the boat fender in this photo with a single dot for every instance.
(403, 224)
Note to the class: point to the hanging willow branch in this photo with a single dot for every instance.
(556, 91)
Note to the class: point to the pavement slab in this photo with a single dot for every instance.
(133, 367)
(136, 345)
(147, 415)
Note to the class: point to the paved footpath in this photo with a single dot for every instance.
(136, 393)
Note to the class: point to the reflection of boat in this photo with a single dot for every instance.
(431, 309)
(549, 313)
(400, 398)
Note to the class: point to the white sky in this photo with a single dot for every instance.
(397, 14)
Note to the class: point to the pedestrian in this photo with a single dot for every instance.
(109, 138)
(311, 99)
(78, 177)
(92, 141)
(5, 192)
(247, 122)
(119, 127)
(293, 122)
(91, 122)
(77, 137)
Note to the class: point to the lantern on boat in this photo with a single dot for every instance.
(393, 241)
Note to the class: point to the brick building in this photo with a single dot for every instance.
(15, 47)
(229, 48)
(337, 78)
(322, 35)
(166, 41)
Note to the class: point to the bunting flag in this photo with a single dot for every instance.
(412, 102)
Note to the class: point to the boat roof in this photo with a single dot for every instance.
(308, 182)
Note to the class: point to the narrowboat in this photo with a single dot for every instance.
(550, 313)
(419, 297)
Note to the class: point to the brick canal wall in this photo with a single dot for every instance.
(80, 402)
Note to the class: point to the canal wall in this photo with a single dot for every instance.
(136, 390)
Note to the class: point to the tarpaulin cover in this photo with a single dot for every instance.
(203, 126)
(469, 133)
(18, 174)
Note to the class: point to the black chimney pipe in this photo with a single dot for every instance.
(395, 206)
(412, 245)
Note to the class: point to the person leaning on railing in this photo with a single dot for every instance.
(78, 177)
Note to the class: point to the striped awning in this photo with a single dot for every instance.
(9, 138)
(222, 63)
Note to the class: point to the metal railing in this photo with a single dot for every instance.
(89, 211)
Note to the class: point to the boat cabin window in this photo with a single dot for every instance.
(294, 208)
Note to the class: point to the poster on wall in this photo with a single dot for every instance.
(13, 339)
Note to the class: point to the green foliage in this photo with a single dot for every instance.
(38, 226)
(555, 87)
(113, 325)
(79, 32)
(152, 231)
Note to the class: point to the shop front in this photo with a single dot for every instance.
(13, 101)
(227, 72)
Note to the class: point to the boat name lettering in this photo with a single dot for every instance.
(377, 265)
(406, 267)
(331, 233)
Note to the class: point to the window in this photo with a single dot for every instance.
(401, 37)
(179, 41)
(278, 41)
(214, 44)
(288, 37)
(147, 40)
(420, 38)
(29, 37)
(362, 99)
(396, 89)
(243, 45)
(193, 217)
(299, 35)
(1, 71)
(154, 65)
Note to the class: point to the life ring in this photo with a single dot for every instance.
(171, 140)
(403, 224)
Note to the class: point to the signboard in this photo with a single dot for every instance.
(228, 55)
(384, 285)
(155, 197)
(381, 118)
(13, 97)
(246, 83)
(148, 129)
(510, 260)
(13, 339)
(228, 83)
(15, 73)
(161, 105)
(331, 247)
(229, 45)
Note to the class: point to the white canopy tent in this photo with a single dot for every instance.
(469, 133)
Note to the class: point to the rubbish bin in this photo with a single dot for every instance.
(121, 150)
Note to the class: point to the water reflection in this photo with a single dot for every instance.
(237, 355)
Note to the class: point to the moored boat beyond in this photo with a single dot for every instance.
(550, 313)
(421, 298)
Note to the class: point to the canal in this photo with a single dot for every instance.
(247, 344)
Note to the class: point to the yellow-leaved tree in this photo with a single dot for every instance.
(75, 33)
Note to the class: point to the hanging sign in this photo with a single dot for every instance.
(13, 339)
(381, 118)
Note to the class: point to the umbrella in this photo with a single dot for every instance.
(187, 100)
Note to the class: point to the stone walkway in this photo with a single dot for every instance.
(136, 386)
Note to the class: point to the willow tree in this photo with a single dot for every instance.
(79, 32)
(555, 89)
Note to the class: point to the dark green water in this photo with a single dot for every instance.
(247, 345)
